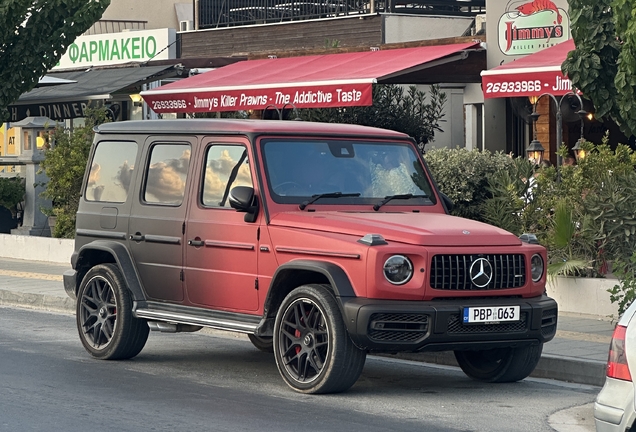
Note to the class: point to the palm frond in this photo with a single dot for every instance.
(563, 225)
(567, 267)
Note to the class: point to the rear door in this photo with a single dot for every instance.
(221, 248)
(156, 238)
(106, 200)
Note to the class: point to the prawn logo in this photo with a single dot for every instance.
(529, 26)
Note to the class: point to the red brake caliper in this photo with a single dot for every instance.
(297, 334)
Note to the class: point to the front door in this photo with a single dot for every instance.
(222, 249)
(156, 223)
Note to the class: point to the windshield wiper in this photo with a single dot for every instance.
(386, 199)
(315, 198)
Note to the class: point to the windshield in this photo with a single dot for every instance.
(298, 169)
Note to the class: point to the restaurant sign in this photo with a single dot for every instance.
(312, 96)
(536, 82)
(54, 111)
(531, 27)
(119, 48)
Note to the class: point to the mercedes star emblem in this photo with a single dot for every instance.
(480, 272)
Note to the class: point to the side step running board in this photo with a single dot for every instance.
(212, 322)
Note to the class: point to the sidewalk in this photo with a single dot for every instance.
(577, 354)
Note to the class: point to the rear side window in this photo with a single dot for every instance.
(167, 174)
(111, 171)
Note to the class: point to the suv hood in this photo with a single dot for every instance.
(425, 229)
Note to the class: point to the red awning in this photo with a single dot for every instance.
(319, 81)
(532, 75)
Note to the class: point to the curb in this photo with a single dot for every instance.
(37, 301)
(568, 369)
(579, 371)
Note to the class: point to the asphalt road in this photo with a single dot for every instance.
(213, 382)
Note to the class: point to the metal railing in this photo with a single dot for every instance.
(228, 13)
(115, 26)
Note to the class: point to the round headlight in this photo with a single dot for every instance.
(398, 269)
(536, 267)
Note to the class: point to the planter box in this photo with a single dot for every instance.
(587, 296)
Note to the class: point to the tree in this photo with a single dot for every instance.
(34, 34)
(603, 65)
(395, 108)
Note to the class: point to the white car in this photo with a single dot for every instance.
(615, 409)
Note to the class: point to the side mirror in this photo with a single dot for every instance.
(243, 200)
(446, 202)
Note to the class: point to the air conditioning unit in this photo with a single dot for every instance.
(186, 25)
(480, 24)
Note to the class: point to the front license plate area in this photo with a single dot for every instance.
(491, 314)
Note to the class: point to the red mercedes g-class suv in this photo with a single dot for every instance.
(321, 242)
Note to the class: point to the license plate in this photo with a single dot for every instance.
(491, 314)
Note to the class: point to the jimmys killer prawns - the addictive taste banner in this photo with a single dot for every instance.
(323, 96)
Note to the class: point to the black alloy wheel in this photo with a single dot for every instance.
(107, 328)
(313, 350)
(500, 364)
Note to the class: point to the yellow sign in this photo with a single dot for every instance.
(7, 146)
(10, 142)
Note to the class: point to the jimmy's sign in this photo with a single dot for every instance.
(118, 48)
(526, 28)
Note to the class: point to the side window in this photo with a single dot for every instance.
(111, 171)
(166, 175)
(226, 166)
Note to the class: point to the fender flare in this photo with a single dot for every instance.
(334, 274)
(122, 259)
(338, 279)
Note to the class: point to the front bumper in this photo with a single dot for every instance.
(614, 407)
(399, 326)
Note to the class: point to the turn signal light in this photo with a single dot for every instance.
(617, 364)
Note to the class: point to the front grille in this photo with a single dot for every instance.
(455, 326)
(452, 272)
(549, 323)
(397, 327)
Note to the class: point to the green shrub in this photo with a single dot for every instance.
(64, 164)
(599, 191)
(463, 176)
(12, 192)
(509, 205)
(394, 107)
(625, 292)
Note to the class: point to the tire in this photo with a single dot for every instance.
(263, 343)
(501, 364)
(313, 351)
(105, 322)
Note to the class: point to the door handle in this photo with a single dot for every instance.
(196, 243)
(137, 237)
